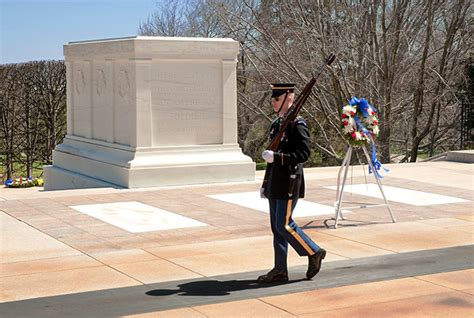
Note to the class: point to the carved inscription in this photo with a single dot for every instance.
(123, 83)
(79, 81)
(100, 82)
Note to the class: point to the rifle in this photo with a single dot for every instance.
(297, 105)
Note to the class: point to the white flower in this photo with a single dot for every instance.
(348, 109)
(350, 126)
(352, 122)
(376, 130)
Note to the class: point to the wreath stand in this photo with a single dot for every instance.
(340, 186)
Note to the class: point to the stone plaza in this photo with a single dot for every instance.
(62, 256)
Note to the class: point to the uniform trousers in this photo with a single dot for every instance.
(285, 231)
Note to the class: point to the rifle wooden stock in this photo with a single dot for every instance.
(297, 105)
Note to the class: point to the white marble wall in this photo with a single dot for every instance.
(143, 103)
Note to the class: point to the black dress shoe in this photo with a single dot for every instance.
(273, 276)
(314, 263)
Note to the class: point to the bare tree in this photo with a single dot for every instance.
(402, 55)
(8, 115)
(442, 37)
(50, 91)
(182, 18)
(33, 113)
(28, 120)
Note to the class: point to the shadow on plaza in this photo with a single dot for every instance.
(215, 287)
(329, 223)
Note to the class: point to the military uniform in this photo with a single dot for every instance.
(283, 185)
(284, 178)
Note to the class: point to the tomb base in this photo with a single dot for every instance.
(80, 163)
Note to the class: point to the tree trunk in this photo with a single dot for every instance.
(419, 93)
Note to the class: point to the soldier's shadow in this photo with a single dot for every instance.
(214, 287)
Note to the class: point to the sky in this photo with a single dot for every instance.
(33, 30)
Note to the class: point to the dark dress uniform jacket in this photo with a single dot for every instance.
(284, 177)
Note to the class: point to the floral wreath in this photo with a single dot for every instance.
(360, 126)
(23, 182)
(359, 122)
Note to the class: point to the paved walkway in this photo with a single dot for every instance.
(61, 260)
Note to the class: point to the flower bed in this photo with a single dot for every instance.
(23, 182)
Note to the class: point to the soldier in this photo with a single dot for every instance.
(283, 185)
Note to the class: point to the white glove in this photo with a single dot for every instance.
(267, 155)
(262, 195)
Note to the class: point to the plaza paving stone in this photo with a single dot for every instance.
(49, 249)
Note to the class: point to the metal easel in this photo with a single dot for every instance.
(340, 187)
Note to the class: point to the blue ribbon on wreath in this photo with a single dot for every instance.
(364, 106)
(377, 165)
(361, 126)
